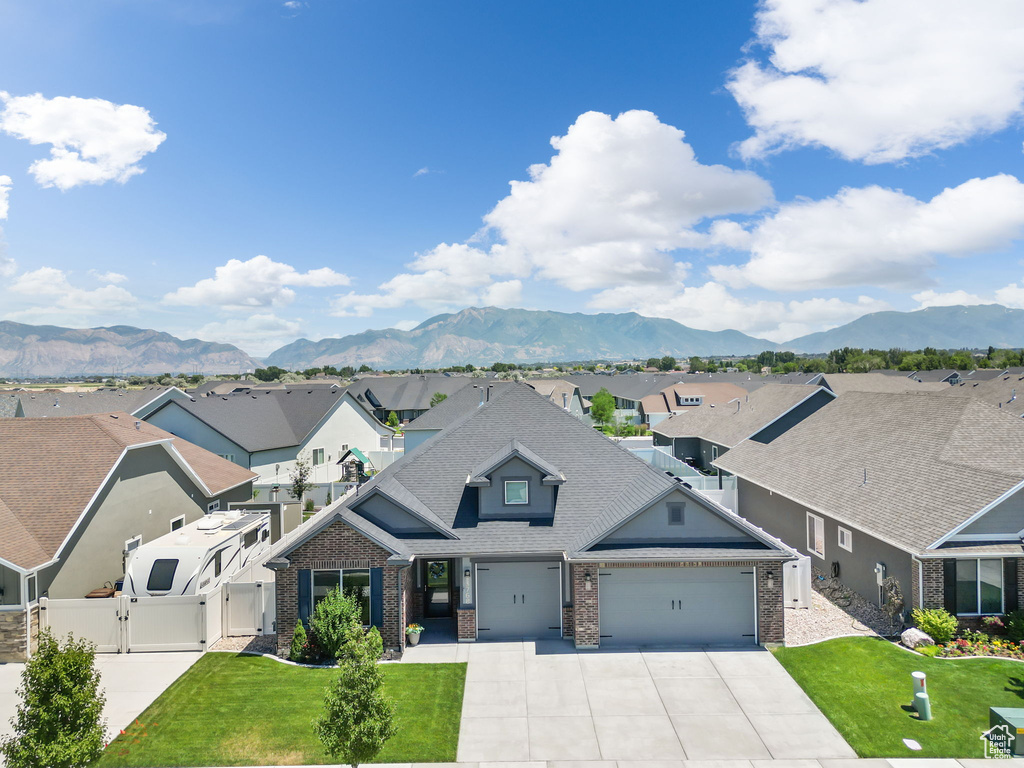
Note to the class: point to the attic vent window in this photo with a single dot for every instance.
(675, 514)
(517, 492)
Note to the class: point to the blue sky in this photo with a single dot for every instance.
(254, 171)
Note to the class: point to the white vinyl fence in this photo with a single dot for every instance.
(796, 583)
(127, 624)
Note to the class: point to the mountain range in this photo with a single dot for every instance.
(484, 335)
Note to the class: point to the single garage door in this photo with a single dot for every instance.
(657, 606)
(518, 600)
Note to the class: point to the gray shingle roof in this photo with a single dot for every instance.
(8, 406)
(604, 483)
(1005, 392)
(408, 393)
(458, 405)
(729, 425)
(931, 463)
(264, 419)
(841, 383)
(85, 403)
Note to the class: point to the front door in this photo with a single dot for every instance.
(437, 601)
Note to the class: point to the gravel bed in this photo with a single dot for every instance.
(250, 643)
(825, 619)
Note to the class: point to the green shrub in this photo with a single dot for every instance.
(938, 623)
(929, 650)
(309, 506)
(298, 651)
(333, 617)
(1014, 622)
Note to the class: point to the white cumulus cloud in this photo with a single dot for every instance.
(618, 195)
(876, 236)
(258, 334)
(5, 193)
(881, 80)
(62, 301)
(258, 282)
(932, 298)
(93, 140)
(108, 277)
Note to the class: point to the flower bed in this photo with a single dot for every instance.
(980, 644)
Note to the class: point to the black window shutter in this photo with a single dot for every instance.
(1010, 596)
(949, 585)
(305, 595)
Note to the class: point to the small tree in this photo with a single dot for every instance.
(297, 651)
(58, 723)
(437, 397)
(358, 718)
(602, 406)
(301, 484)
(393, 420)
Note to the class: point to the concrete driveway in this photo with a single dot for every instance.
(533, 701)
(132, 681)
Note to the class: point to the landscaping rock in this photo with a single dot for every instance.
(914, 637)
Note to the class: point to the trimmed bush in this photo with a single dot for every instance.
(298, 652)
(331, 621)
(1014, 622)
(939, 623)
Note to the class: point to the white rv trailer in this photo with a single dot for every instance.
(200, 556)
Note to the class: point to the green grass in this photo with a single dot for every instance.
(247, 710)
(863, 686)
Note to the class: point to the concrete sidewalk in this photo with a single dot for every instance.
(131, 681)
(824, 763)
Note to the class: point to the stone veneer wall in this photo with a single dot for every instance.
(339, 546)
(770, 601)
(12, 635)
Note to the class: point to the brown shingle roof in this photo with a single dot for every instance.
(52, 467)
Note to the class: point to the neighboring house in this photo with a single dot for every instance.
(628, 390)
(687, 397)
(943, 375)
(139, 403)
(10, 406)
(407, 396)
(523, 522)
(982, 374)
(266, 430)
(1000, 392)
(701, 436)
(77, 493)
(562, 393)
(841, 383)
(923, 488)
(217, 387)
(455, 408)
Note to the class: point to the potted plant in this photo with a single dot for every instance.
(412, 634)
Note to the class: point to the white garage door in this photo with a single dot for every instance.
(658, 606)
(518, 600)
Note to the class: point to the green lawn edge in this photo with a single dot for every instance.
(237, 709)
(862, 685)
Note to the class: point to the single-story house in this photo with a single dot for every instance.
(627, 389)
(78, 492)
(522, 522)
(700, 436)
(925, 488)
(266, 430)
(687, 397)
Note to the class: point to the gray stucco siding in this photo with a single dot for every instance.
(390, 517)
(416, 437)
(183, 424)
(787, 520)
(492, 498)
(684, 448)
(1006, 517)
(699, 525)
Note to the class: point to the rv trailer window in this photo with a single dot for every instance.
(265, 535)
(217, 562)
(249, 539)
(161, 577)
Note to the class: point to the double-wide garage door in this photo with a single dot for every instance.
(518, 600)
(657, 606)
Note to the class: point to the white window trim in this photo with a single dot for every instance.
(810, 535)
(714, 453)
(213, 506)
(977, 585)
(176, 519)
(517, 503)
(30, 603)
(323, 457)
(849, 539)
(229, 456)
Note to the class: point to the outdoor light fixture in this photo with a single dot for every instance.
(588, 582)
(466, 573)
(771, 579)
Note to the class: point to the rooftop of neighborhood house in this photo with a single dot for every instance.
(841, 383)
(739, 420)
(101, 401)
(1001, 392)
(54, 466)
(940, 375)
(602, 482)
(406, 393)
(672, 398)
(905, 468)
(458, 405)
(8, 406)
(265, 419)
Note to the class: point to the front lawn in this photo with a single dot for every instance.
(248, 710)
(863, 686)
